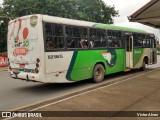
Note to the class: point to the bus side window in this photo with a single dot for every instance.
(58, 30)
(147, 41)
(76, 37)
(48, 29)
(114, 39)
(50, 43)
(84, 37)
(97, 38)
(101, 34)
(138, 40)
(58, 36)
(54, 36)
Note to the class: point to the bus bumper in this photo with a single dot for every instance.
(24, 76)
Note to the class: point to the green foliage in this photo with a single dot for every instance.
(89, 10)
(3, 34)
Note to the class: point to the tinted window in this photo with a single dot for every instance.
(97, 38)
(54, 36)
(139, 40)
(76, 37)
(114, 39)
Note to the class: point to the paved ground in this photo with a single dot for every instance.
(16, 94)
(3, 69)
(138, 93)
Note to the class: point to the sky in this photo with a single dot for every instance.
(126, 8)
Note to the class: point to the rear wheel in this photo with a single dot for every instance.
(98, 73)
(143, 68)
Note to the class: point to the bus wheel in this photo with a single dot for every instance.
(98, 73)
(143, 68)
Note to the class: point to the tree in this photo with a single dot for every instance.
(3, 31)
(3, 34)
(89, 10)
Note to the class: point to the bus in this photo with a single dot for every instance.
(51, 49)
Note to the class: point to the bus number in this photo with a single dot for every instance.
(55, 56)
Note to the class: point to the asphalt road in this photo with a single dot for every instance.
(16, 94)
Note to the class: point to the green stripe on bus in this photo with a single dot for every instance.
(83, 62)
(138, 54)
(68, 75)
(111, 27)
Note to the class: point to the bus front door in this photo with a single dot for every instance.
(129, 51)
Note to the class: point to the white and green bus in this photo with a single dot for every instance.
(58, 50)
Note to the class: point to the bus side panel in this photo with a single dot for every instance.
(84, 63)
(56, 66)
(113, 60)
(138, 56)
(118, 61)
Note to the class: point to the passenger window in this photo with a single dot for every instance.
(48, 29)
(54, 36)
(139, 40)
(97, 38)
(114, 39)
(76, 37)
(58, 30)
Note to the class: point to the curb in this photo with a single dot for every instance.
(3, 70)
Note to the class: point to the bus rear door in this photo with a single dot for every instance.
(153, 50)
(129, 51)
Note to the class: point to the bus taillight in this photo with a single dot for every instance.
(38, 60)
(37, 65)
(36, 70)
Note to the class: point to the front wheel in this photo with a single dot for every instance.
(143, 68)
(98, 73)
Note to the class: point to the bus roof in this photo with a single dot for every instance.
(112, 27)
(60, 20)
(68, 21)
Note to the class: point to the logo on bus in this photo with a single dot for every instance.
(110, 57)
(138, 52)
(33, 21)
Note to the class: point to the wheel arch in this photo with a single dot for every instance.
(100, 62)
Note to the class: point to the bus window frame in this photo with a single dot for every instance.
(70, 49)
(45, 37)
(95, 48)
(146, 38)
(65, 48)
(121, 39)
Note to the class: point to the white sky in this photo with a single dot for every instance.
(1, 1)
(126, 8)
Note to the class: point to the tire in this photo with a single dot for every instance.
(98, 73)
(143, 68)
